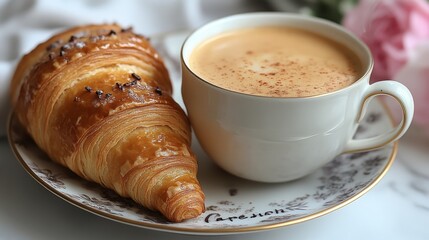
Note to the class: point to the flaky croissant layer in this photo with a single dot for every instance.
(97, 99)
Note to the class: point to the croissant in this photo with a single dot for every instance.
(97, 99)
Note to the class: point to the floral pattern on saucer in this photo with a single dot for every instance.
(232, 204)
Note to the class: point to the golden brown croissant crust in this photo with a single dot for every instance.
(97, 99)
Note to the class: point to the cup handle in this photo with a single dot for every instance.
(404, 98)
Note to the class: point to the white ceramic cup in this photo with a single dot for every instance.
(275, 139)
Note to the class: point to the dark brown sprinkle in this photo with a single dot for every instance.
(118, 85)
(127, 29)
(108, 95)
(65, 47)
(99, 93)
(112, 32)
(62, 53)
(88, 89)
(158, 91)
(52, 45)
(51, 55)
(126, 84)
(134, 82)
(135, 76)
(72, 38)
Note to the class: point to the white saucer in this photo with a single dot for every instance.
(233, 205)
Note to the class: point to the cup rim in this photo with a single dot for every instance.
(366, 73)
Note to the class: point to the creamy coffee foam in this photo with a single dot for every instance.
(276, 62)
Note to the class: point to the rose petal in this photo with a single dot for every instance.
(397, 33)
(357, 19)
(415, 76)
(418, 25)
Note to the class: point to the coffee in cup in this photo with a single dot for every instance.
(275, 61)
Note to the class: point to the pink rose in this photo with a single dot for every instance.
(391, 29)
(415, 75)
(397, 33)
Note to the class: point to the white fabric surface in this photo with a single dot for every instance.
(397, 208)
(25, 23)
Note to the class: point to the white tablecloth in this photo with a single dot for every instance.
(397, 208)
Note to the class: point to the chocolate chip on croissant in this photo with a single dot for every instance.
(97, 99)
